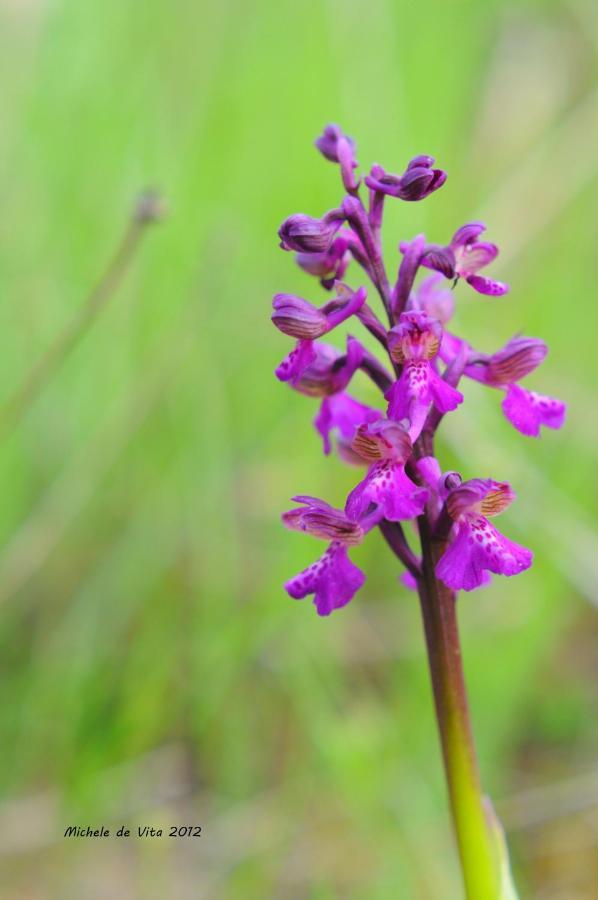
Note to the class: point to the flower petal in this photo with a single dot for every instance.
(296, 362)
(342, 412)
(387, 485)
(487, 286)
(479, 547)
(527, 410)
(445, 397)
(333, 579)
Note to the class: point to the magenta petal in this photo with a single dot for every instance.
(478, 547)
(387, 485)
(527, 410)
(467, 233)
(297, 361)
(487, 286)
(445, 397)
(409, 581)
(343, 412)
(473, 257)
(333, 579)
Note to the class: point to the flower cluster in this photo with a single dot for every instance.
(419, 380)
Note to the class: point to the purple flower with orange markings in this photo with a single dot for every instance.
(414, 343)
(333, 579)
(400, 478)
(476, 545)
(419, 380)
(464, 257)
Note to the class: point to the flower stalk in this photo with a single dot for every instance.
(404, 481)
(439, 614)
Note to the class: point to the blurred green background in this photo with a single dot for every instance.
(152, 669)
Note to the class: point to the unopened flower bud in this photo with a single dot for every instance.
(308, 235)
(338, 147)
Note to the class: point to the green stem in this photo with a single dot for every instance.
(148, 209)
(438, 605)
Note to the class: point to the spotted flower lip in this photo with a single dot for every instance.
(338, 147)
(298, 318)
(333, 580)
(528, 410)
(387, 446)
(322, 521)
(417, 182)
(308, 235)
(464, 257)
(477, 546)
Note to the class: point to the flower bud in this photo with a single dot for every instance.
(339, 148)
(308, 235)
(298, 318)
(417, 182)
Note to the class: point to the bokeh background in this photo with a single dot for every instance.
(152, 669)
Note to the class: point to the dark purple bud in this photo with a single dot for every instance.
(300, 319)
(339, 148)
(421, 162)
(450, 481)
(417, 182)
(308, 235)
(329, 140)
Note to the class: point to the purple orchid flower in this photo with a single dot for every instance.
(333, 579)
(477, 546)
(387, 446)
(458, 547)
(464, 257)
(526, 410)
(320, 369)
(414, 342)
(403, 479)
(418, 181)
